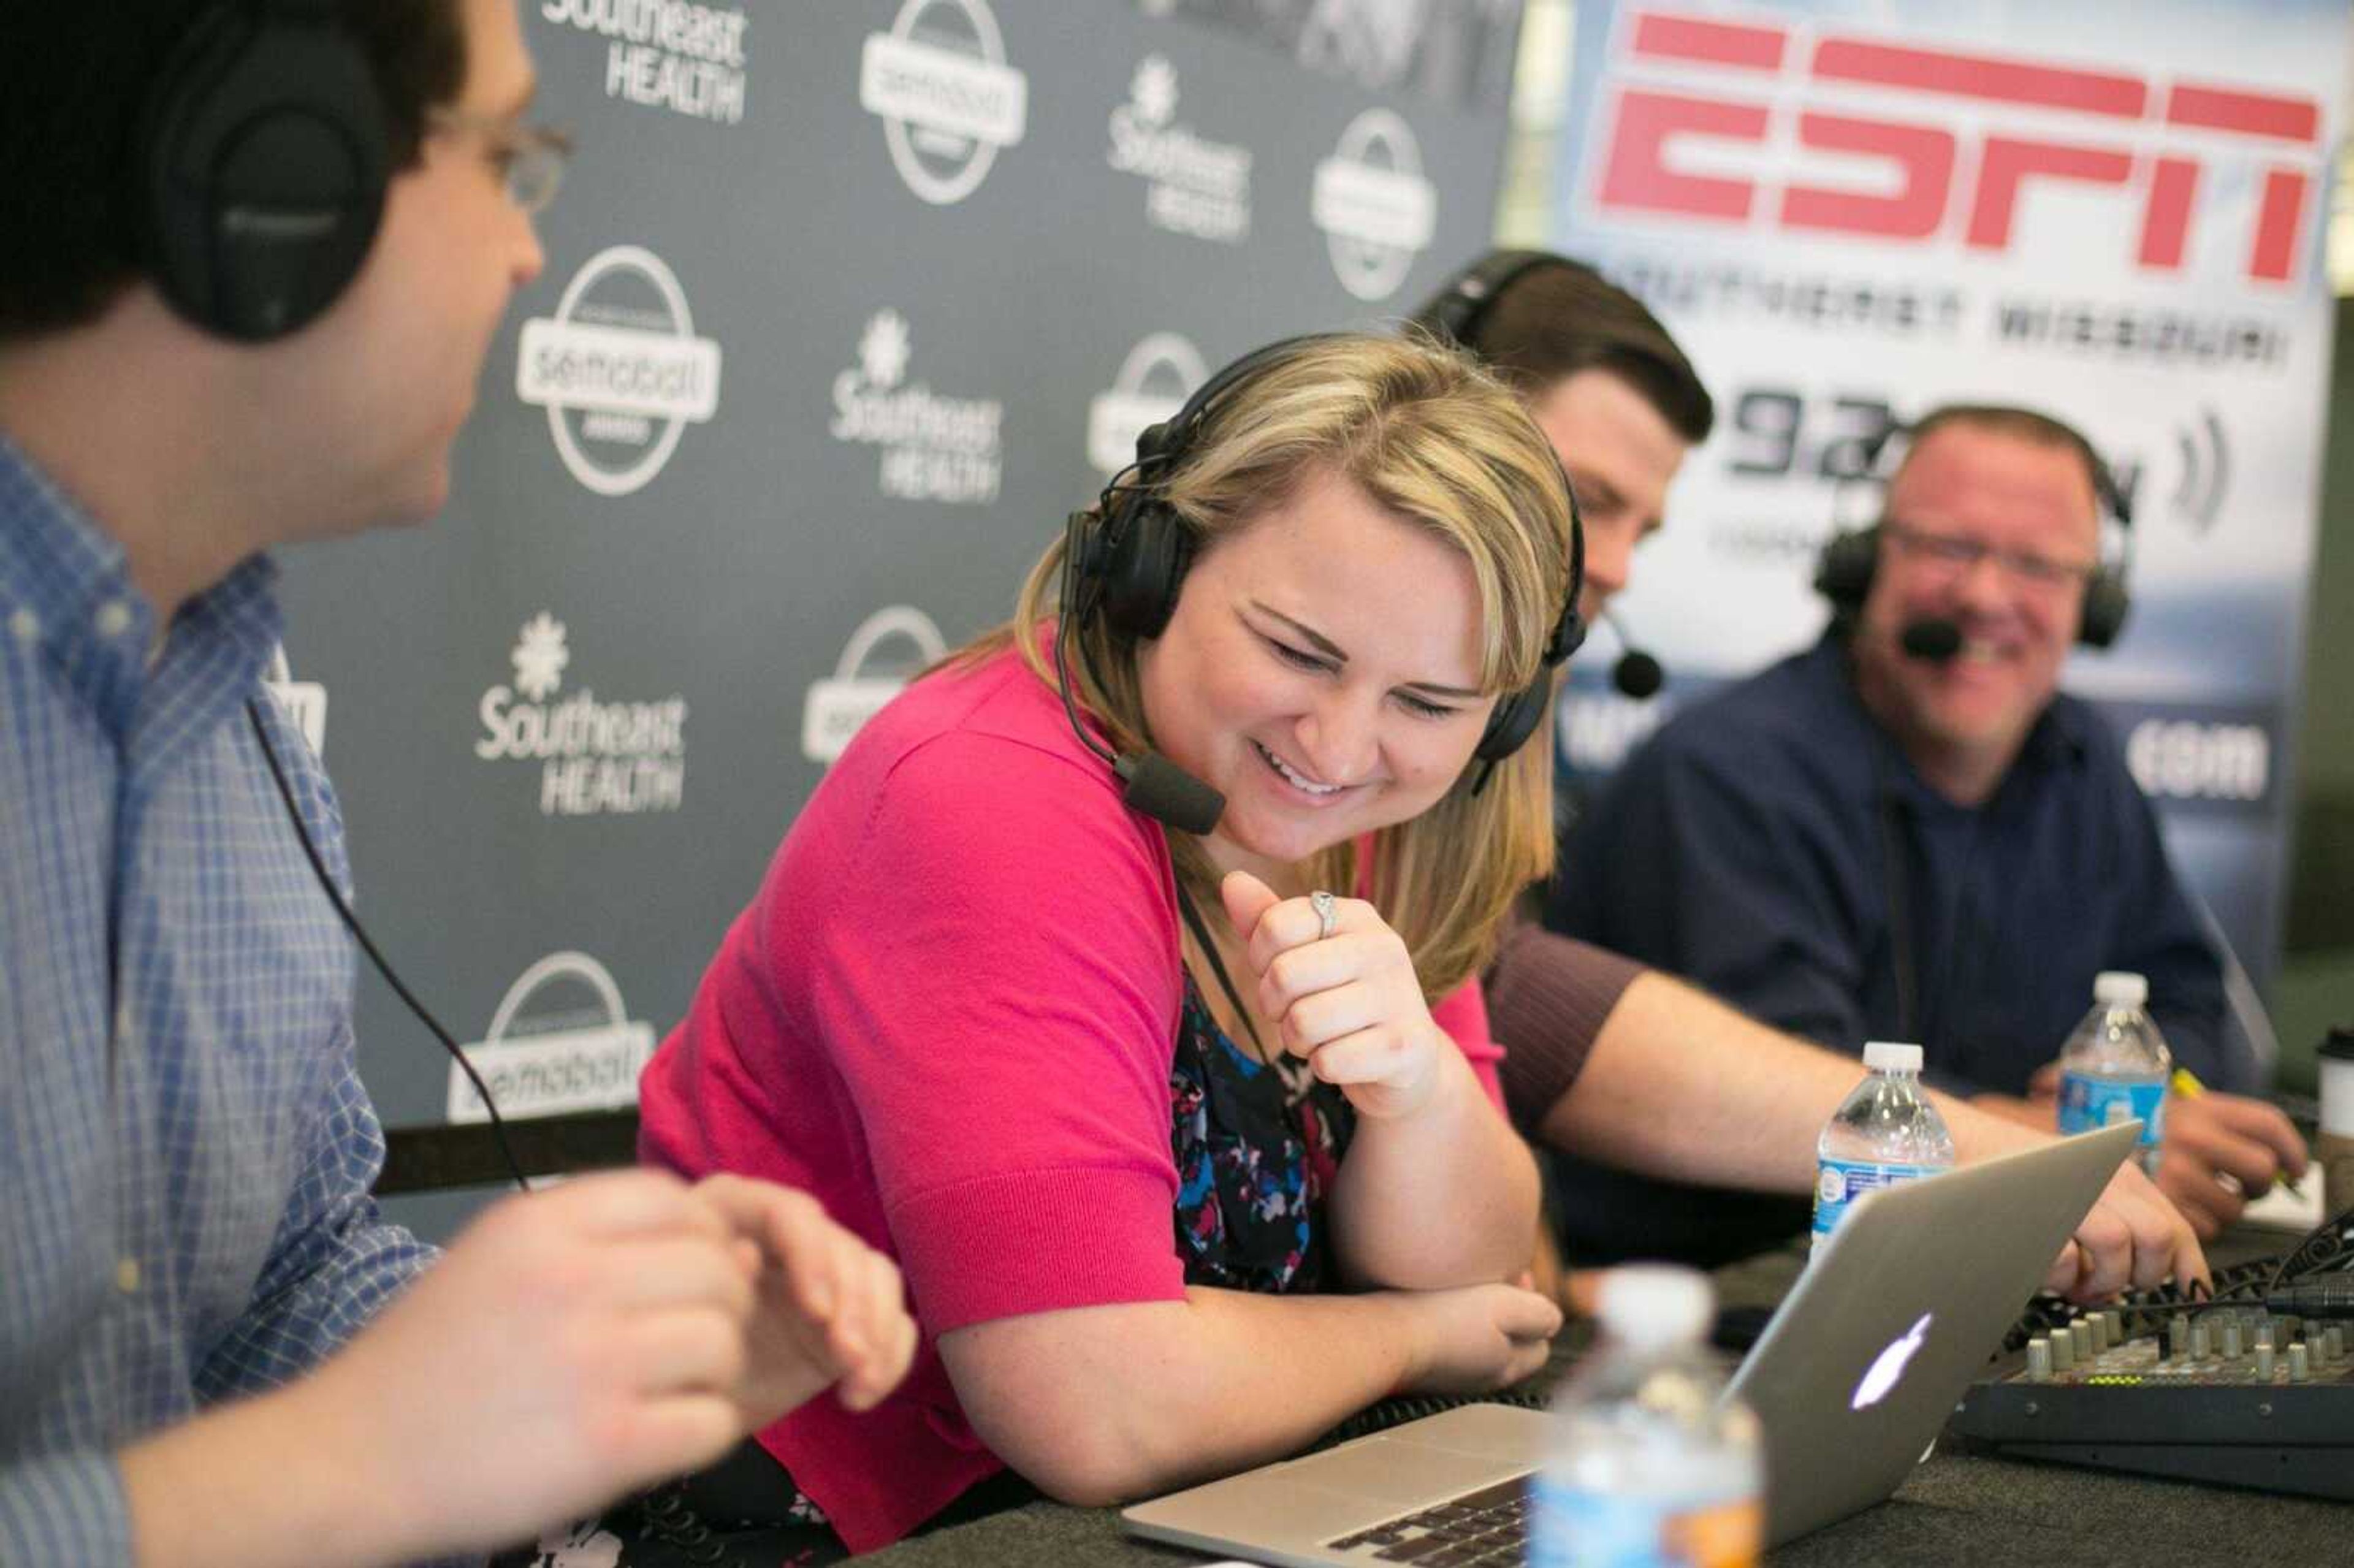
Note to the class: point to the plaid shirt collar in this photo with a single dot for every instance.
(65, 587)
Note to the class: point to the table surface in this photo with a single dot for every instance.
(1959, 1509)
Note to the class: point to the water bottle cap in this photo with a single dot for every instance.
(1655, 1304)
(2120, 988)
(1889, 1056)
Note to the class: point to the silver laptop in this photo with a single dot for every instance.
(1851, 1380)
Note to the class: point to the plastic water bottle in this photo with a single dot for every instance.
(2116, 1065)
(1883, 1133)
(1651, 1465)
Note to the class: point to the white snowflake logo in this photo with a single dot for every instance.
(540, 657)
(883, 349)
(1153, 90)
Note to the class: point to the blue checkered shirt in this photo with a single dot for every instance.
(185, 1150)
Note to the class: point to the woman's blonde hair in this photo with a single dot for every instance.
(1441, 444)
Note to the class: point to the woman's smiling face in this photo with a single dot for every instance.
(1322, 670)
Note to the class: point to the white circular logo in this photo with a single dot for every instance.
(836, 709)
(1375, 208)
(946, 98)
(620, 370)
(1832, 1185)
(1153, 383)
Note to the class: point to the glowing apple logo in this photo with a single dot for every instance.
(1889, 1365)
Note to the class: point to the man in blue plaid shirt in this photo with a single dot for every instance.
(212, 1349)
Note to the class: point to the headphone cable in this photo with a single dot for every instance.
(342, 908)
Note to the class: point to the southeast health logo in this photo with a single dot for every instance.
(1193, 187)
(948, 100)
(596, 757)
(933, 447)
(620, 370)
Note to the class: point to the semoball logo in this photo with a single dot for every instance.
(1153, 383)
(582, 1060)
(1377, 211)
(838, 707)
(948, 103)
(596, 757)
(620, 370)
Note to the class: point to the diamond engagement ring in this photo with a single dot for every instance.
(1328, 914)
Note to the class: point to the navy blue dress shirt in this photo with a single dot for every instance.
(1774, 845)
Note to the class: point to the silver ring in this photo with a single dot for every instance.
(1328, 914)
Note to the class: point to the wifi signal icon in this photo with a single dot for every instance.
(2205, 471)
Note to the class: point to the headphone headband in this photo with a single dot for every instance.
(1129, 563)
(1458, 311)
(1851, 558)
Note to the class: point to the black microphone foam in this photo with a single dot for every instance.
(1168, 794)
(1637, 674)
(1931, 638)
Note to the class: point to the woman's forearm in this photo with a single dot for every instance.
(1443, 1197)
(1102, 1404)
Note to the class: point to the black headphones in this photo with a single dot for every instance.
(259, 167)
(1844, 571)
(1129, 563)
(1458, 312)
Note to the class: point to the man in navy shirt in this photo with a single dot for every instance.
(1863, 844)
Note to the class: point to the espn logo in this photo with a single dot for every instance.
(1673, 106)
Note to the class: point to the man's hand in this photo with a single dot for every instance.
(830, 1309)
(2133, 1238)
(600, 1335)
(2220, 1151)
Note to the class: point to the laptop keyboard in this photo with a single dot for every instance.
(1483, 1528)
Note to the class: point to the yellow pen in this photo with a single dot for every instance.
(2185, 1083)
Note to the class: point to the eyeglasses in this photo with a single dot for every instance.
(1954, 554)
(529, 159)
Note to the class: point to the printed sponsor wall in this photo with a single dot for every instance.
(845, 307)
(1850, 213)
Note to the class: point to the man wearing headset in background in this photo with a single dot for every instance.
(1908, 832)
(1616, 1068)
(221, 331)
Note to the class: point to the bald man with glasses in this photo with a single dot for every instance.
(1861, 842)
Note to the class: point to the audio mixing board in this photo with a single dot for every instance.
(2235, 1389)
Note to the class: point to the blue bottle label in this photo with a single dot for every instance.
(1839, 1182)
(1575, 1528)
(2087, 1103)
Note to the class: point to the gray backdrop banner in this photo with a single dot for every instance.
(845, 307)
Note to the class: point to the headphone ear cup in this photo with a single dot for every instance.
(1515, 719)
(1572, 632)
(1144, 559)
(262, 160)
(1843, 572)
(2106, 603)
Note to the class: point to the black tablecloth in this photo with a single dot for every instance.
(1957, 1509)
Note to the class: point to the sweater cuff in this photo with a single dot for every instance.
(1548, 998)
(1038, 1241)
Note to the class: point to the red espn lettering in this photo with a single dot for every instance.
(1644, 123)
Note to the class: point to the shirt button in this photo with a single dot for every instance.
(123, 1022)
(126, 1276)
(113, 617)
(26, 625)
